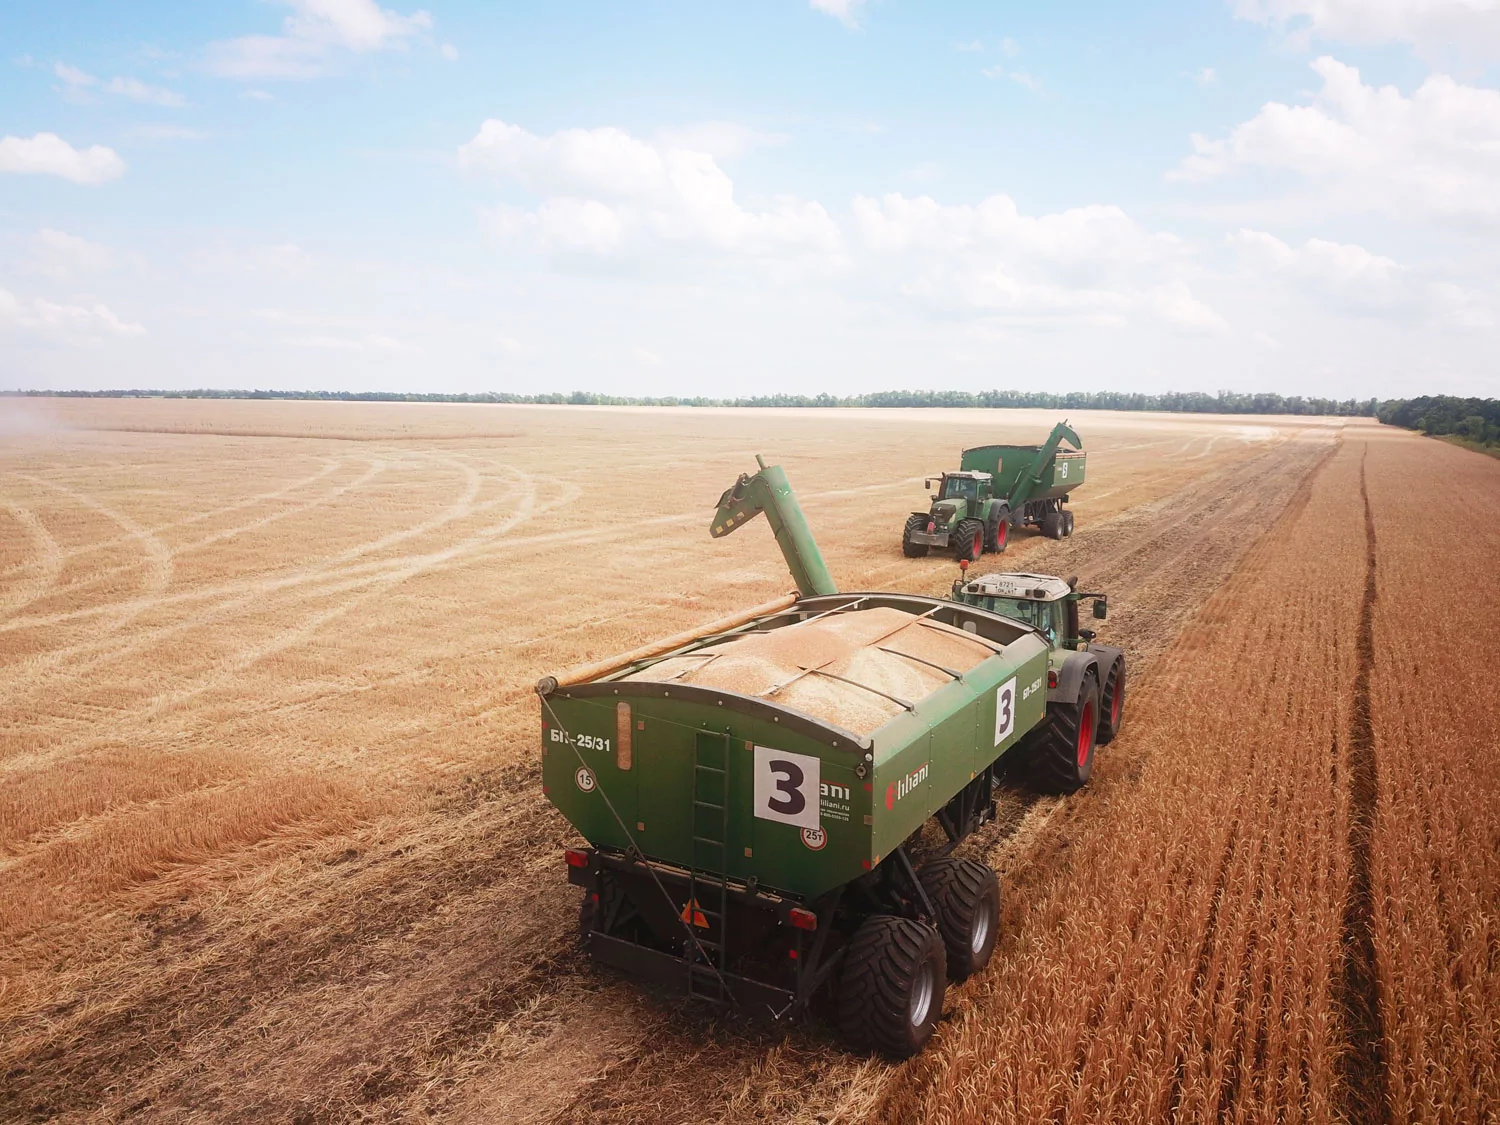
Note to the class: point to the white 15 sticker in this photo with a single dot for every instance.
(786, 787)
(1005, 710)
(1063, 470)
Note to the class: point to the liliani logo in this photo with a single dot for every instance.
(902, 786)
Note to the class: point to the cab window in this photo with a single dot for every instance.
(960, 488)
(1046, 616)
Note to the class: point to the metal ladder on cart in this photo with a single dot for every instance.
(708, 890)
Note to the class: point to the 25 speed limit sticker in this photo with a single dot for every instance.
(584, 779)
(814, 838)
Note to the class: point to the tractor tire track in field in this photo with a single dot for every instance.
(47, 561)
(1363, 1067)
(330, 465)
(430, 968)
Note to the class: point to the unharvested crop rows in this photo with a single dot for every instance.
(1435, 847)
(1184, 964)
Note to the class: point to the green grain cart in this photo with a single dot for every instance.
(996, 488)
(751, 790)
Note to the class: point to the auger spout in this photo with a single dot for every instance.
(769, 491)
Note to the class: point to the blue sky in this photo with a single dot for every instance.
(669, 198)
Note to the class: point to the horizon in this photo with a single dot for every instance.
(667, 201)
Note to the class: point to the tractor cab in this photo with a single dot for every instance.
(1046, 603)
(970, 486)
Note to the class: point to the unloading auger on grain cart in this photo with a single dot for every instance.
(996, 488)
(751, 790)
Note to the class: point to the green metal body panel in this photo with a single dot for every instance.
(912, 765)
(1013, 466)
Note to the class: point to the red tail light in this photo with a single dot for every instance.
(802, 919)
(576, 858)
(1051, 678)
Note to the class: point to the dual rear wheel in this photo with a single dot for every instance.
(1057, 525)
(896, 970)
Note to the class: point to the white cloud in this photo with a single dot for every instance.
(1469, 26)
(167, 133)
(1330, 263)
(77, 83)
(1009, 47)
(311, 36)
(646, 356)
(1206, 77)
(374, 343)
(1089, 264)
(48, 154)
(603, 189)
(257, 96)
(448, 51)
(845, 11)
(1177, 306)
(996, 71)
(1435, 153)
(138, 91)
(1350, 280)
(723, 140)
(67, 320)
(1032, 84)
(61, 255)
(972, 47)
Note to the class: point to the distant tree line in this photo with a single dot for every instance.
(1474, 420)
(1175, 402)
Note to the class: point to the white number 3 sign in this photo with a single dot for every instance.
(786, 787)
(1005, 710)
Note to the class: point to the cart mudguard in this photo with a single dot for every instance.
(1070, 676)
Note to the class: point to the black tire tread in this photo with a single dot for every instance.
(879, 965)
(957, 887)
(908, 548)
(963, 538)
(1113, 681)
(1053, 754)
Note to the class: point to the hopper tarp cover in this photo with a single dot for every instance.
(874, 648)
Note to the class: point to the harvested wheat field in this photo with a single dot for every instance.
(273, 845)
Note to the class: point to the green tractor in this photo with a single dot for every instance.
(996, 488)
(754, 792)
(1051, 606)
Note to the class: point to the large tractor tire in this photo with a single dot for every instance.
(1067, 524)
(1112, 703)
(999, 538)
(968, 540)
(908, 548)
(1062, 755)
(966, 896)
(1052, 525)
(892, 985)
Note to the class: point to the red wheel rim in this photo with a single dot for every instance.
(978, 544)
(1002, 533)
(1085, 734)
(1119, 698)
